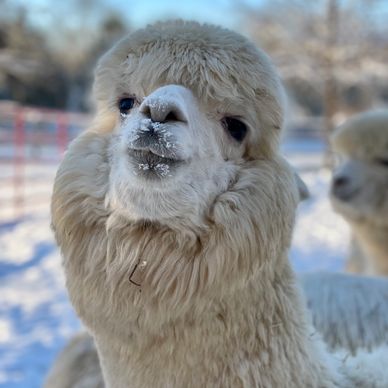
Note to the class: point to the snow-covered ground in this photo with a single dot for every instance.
(36, 318)
(35, 315)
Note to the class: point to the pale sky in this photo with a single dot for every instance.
(139, 12)
(55, 16)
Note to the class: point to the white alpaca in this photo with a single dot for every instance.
(360, 189)
(174, 215)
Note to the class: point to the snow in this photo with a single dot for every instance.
(36, 318)
(163, 169)
(144, 166)
(321, 237)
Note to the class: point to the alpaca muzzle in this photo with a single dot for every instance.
(346, 181)
(156, 135)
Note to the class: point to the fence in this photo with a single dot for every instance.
(32, 143)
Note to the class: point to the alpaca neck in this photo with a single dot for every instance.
(256, 337)
(373, 242)
(218, 307)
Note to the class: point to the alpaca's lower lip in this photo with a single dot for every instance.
(148, 165)
(152, 157)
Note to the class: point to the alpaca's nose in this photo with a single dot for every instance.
(341, 187)
(340, 182)
(167, 104)
(348, 180)
(161, 113)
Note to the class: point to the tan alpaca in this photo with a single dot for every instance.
(174, 214)
(360, 189)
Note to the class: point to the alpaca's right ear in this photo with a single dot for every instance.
(303, 190)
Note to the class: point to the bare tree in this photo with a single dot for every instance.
(327, 48)
(51, 65)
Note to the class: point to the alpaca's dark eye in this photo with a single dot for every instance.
(235, 127)
(125, 105)
(382, 161)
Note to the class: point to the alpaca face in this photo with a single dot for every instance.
(183, 125)
(168, 158)
(359, 189)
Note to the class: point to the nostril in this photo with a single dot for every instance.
(340, 181)
(343, 188)
(160, 117)
(171, 116)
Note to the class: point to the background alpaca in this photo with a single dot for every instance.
(77, 366)
(350, 312)
(174, 215)
(360, 189)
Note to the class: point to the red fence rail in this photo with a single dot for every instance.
(32, 143)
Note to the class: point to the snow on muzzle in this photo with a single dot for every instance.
(158, 137)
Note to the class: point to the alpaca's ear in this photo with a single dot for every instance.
(303, 190)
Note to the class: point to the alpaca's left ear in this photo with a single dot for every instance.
(303, 190)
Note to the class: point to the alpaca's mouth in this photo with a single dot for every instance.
(344, 195)
(151, 165)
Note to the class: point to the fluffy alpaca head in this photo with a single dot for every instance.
(181, 170)
(187, 103)
(360, 183)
